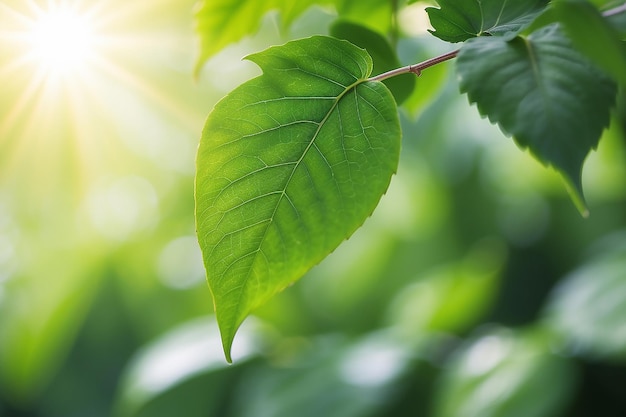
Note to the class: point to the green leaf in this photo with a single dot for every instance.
(588, 29)
(218, 23)
(382, 54)
(289, 165)
(222, 22)
(505, 374)
(544, 93)
(457, 21)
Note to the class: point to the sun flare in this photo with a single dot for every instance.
(87, 85)
(62, 41)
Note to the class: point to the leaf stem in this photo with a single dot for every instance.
(415, 68)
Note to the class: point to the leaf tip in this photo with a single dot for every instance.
(575, 189)
(227, 345)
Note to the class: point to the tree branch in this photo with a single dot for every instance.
(418, 68)
(415, 68)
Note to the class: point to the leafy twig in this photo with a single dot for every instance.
(418, 68)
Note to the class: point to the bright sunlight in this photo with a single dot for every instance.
(88, 89)
(62, 41)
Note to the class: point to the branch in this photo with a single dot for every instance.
(415, 68)
(418, 68)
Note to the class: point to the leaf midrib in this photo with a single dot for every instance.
(283, 192)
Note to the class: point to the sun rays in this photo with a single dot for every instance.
(74, 71)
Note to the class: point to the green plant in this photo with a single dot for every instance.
(292, 162)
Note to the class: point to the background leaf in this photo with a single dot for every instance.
(457, 21)
(183, 365)
(219, 23)
(222, 22)
(542, 92)
(588, 309)
(290, 164)
(383, 56)
(504, 374)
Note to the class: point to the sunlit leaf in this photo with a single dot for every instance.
(457, 21)
(543, 93)
(222, 22)
(289, 165)
(382, 54)
(587, 29)
(505, 374)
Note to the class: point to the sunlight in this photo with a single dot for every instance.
(62, 41)
(85, 81)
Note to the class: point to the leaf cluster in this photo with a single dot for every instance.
(292, 162)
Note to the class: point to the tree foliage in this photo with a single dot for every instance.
(292, 162)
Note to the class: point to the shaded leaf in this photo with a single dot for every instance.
(457, 21)
(542, 92)
(383, 56)
(289, 165)
(588, 29)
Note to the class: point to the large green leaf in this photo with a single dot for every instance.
(544, 93)
(290, 164)
(457, 21)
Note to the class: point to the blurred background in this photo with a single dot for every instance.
(475, 289)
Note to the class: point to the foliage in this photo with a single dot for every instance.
(474, 288)
(266, 213)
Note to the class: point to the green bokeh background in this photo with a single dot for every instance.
(475, 289)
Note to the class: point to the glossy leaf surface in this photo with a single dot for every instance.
(290, 164)
(457, 21)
